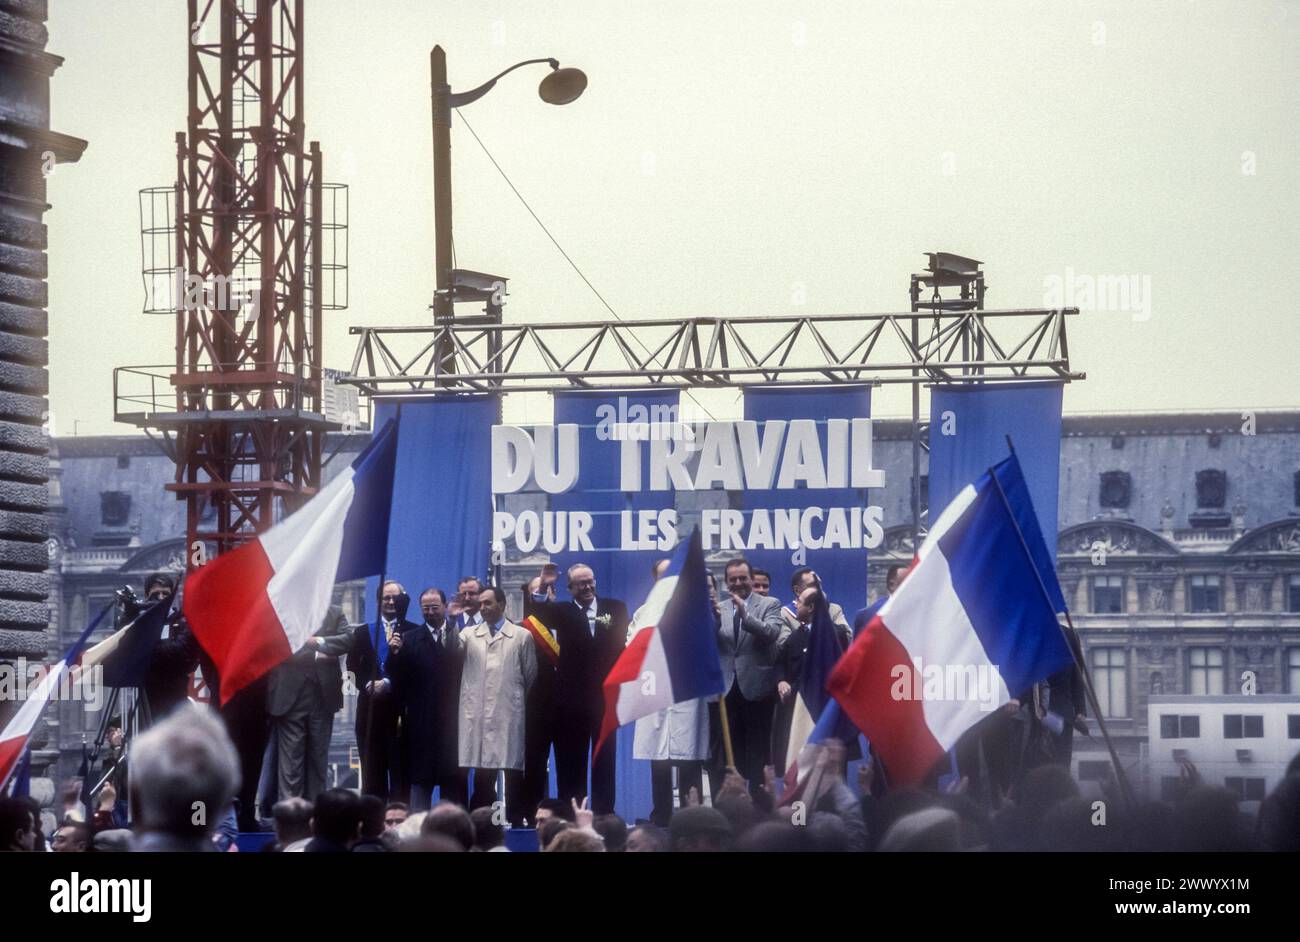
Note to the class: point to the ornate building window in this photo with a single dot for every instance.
(1107, 595)
(1205, 672)
(1116, 489)
(1211, 489)
(114, 508)
(1293, 670)
(1110, 681)
(1204, 593)
(1157, 683)
(1293, 595)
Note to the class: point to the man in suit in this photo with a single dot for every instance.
(539, 733)
(420, 670)
(803, 580)
(452, 783)
(894, 577)
(378, 697)
(303, 694)
(468, 591)
(592, 633)
(750, 637)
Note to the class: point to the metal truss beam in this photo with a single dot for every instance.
(1017, 345)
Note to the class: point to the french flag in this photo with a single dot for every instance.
(973, 625)
(816, 717)
(253, 607)
(17, 732)
(674, 657)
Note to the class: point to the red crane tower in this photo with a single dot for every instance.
(236, 250)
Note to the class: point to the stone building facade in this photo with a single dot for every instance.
(29, 152)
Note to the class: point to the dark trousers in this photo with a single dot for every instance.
(689, 773)
(302, 749)
(988, 756)
(485, 792)
(249, 726)
(751, 734)
(381, 772)
(453, 785)
(575, 736)
(539, 735)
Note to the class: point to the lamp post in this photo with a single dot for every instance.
(559, 87)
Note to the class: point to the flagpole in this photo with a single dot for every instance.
(1067, 637)
(379, 613)
(726, 732)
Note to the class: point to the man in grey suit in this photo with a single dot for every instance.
(303, 695)
(750, 635)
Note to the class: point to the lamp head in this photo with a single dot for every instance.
(562, 85)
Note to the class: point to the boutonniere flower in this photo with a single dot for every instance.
(604, 620)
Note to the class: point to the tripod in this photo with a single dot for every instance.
(136, 717)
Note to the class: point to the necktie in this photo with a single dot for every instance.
(388, 632)
(735, 626)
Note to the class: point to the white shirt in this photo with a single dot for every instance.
(591, 616)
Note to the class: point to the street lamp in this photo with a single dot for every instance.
(559, 87)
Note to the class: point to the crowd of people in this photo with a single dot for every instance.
(185, 776)
(459, 712)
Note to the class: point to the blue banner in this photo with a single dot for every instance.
(441, 526)
(969, 425)
(620, 574)
(843, 572)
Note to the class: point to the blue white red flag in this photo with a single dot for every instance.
(816, 716)
(18, 731)
(973, 624)
(675, 656)
(255, 606)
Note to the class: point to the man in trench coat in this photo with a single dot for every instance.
(500, 666)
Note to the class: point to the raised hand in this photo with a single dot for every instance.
(582, 815)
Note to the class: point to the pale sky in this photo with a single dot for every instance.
(726, 153)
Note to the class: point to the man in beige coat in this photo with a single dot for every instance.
(500, 666)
